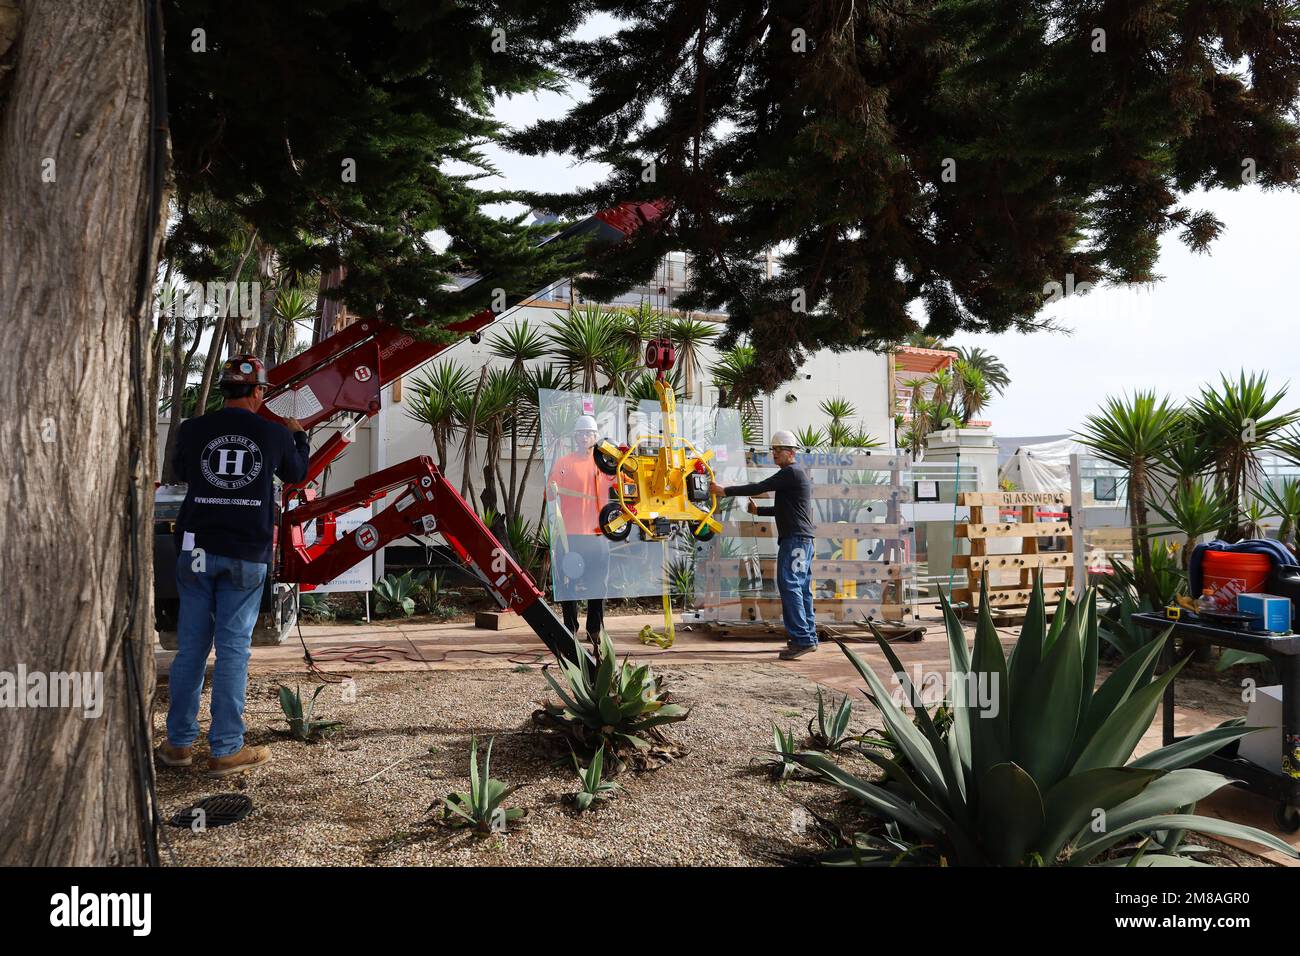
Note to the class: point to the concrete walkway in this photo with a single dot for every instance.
(399, 646)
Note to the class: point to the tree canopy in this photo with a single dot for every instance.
(957, 155)
(347, 131)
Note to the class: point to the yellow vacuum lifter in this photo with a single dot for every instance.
(656, 488)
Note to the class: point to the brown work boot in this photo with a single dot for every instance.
(245, 759)
(171, 756)
(795, 651)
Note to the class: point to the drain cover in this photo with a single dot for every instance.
(214, 811)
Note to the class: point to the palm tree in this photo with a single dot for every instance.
(1188, 455)
(690, 335)
(1134, 432)
(642, 388)
(988, 364)
(1238, 421)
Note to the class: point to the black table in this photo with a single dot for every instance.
(1284, 653)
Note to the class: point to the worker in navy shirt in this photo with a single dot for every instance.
(796, 527)
(225, 535)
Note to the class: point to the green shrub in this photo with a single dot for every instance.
(1045, 776)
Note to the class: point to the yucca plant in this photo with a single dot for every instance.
(594, 789)
(1240, 420)
(1284, 501)
(690, 335)
(481, 807)
(810, 437)
(433, 400)
(681, 579)
(1037, 766)
(607, 704)
(302, 723)
(1194, 511)
(1134, 432)
(581, 338)
(832, 730)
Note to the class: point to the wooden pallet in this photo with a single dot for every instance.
(1008, 602)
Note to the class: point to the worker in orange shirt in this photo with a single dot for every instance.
(578, 489)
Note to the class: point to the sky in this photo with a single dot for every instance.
(1229, 309)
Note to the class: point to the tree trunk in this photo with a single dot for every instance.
(220, 331)
(76, 431)
(177, 392)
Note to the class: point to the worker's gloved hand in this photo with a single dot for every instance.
(293, 425)
(716, 489)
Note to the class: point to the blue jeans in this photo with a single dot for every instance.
(793, 569)
(218, 605)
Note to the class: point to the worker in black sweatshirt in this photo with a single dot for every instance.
(225, 534)
(795, 529)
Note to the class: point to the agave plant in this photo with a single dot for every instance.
(396, 593)
(1036, 768)
(594, 789)
(302, 722)
(832, 731)
(783, 760)
(681, 579)
(481, 807)
(612, 705)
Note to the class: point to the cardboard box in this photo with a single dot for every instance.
(1272, 613)
(1264, 747)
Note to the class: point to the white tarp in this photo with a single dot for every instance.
(1043, 467)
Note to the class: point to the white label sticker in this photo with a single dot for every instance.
(187, 541)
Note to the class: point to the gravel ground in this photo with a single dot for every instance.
(715, 806)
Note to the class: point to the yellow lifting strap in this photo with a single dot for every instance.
(649, 635)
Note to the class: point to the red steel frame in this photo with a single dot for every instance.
(345, 373)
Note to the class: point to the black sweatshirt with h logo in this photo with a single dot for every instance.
(227, 458)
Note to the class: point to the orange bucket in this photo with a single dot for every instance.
(1228, 574)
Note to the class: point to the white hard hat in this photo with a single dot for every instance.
(784, 439)
(585, 423)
